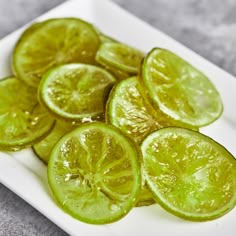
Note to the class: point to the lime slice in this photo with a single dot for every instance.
(190, 174)
(23, 121)
(94, 173)
(179, 90)
(54, 42)
(120, 59)
(132, 114)
(43, 148)
(76, 91)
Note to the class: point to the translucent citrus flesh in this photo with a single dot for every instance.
(23, 121)
(180, 90)
(130, 112)
(40, 50)
(189, 174)
(94, 173)
(120, 57)
(76, 91)
(43, 148)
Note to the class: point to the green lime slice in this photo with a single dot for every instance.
(43, 148)
(75, 91)
(179, 90)
(190, 174)
(132, 114)
(127, 110)
(94, 173)
(120, 59)
(54, 42)
(23, 121)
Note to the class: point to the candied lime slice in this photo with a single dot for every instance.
(23, 121)
(75, 91)
(54, 42)
(43, 148)
(178, 89)
(120, 59)
(130, 112)
(190, 174)
(94, 173)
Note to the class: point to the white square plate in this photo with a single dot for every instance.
(25, 175)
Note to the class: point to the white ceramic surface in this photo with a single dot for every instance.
(25, 175)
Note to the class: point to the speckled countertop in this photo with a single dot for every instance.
(207, 27)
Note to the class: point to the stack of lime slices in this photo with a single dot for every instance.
(117, 127)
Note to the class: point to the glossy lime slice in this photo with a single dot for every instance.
(120, 59)
(43, 148)
(76, 91)
(54, 42)
(94, 173)
(23, 121)
(132, 114)
(190, 174)
(179, 89)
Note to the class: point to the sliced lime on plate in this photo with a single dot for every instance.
(23, 121)
(51, 43)
(178, 89)
(190, 175)
(120, 59)
(75, 91)
(94, 173)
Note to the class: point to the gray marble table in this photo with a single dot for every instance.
(207, 27)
